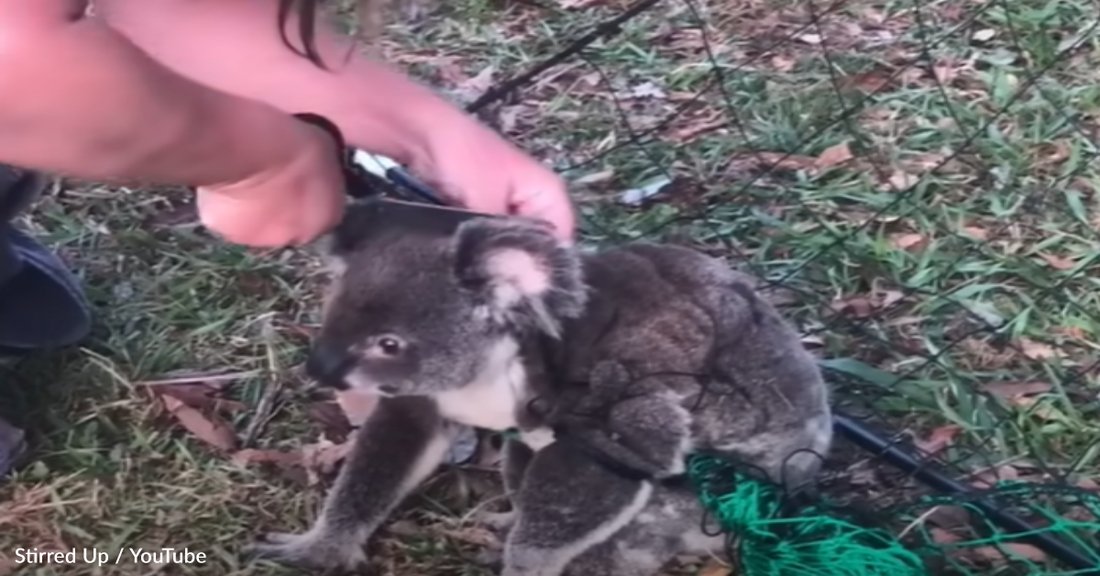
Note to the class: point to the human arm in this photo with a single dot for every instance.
(78, 98)
(235, 45)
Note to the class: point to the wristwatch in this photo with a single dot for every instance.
(358, 182)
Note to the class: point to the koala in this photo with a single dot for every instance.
(608, 369)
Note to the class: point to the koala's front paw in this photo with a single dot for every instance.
(309, 550)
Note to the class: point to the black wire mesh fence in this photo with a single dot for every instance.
(915, 182)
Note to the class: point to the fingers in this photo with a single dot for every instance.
(549, 201)
(270, 218)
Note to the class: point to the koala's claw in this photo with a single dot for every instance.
(307, 551)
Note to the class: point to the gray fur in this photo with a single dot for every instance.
(643, 353)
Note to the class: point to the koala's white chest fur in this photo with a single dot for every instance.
(492, 398)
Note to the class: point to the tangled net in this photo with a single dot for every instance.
(772, 533)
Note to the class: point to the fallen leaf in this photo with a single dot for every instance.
(834, 156)
(870, 82)
(322, 458)
(595, 177)
(475, 535)
(939, 439)
(257, 456)
(713, 568)
(907, 241)
(1052, 153)
(783, 161)
(334, 422)
(199, 395)
(902, 180)
(811, 39)
(357, 406)
(783, 63)
(1058, 262)
(1071, 332)
(209, 429)
(993, 476)
(945, 72)
(1036, 350)
(891, 297)
(1009, 552)
(941, 536)
(1015, 390)
(975, 232)
(692, 131)
(474, 86)
(856, 306)
(948, 517)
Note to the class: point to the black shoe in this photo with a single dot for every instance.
(42, 304)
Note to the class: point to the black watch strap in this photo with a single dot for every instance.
(356, 180)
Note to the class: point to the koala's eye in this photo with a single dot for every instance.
(389, 346)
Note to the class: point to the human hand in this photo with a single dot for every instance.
(476, 167)
(291, 205)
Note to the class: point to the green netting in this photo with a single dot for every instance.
(770, 534)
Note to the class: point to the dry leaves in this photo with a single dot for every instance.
(831, 157)
(783, 63)
(901, 180)
(209, 428)
(939, 439)
(470, 89)
(688, 127)
(198, 406)
(317, 460)
(908, 241)
(1058, 262)
(999, 554)
(1037, 350)
(323, 458)
(834, 156)
(870, 82)
(1008, 551)
(1073, 332)
(1014, 392)
(714, 568)
(334, 422)
(866, 305)
(595, 178)
(976, 232)
(689, 133)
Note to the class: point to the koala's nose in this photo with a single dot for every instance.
(328, 365)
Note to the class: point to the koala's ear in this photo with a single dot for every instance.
(521, 269)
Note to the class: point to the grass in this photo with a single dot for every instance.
(942, 255)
